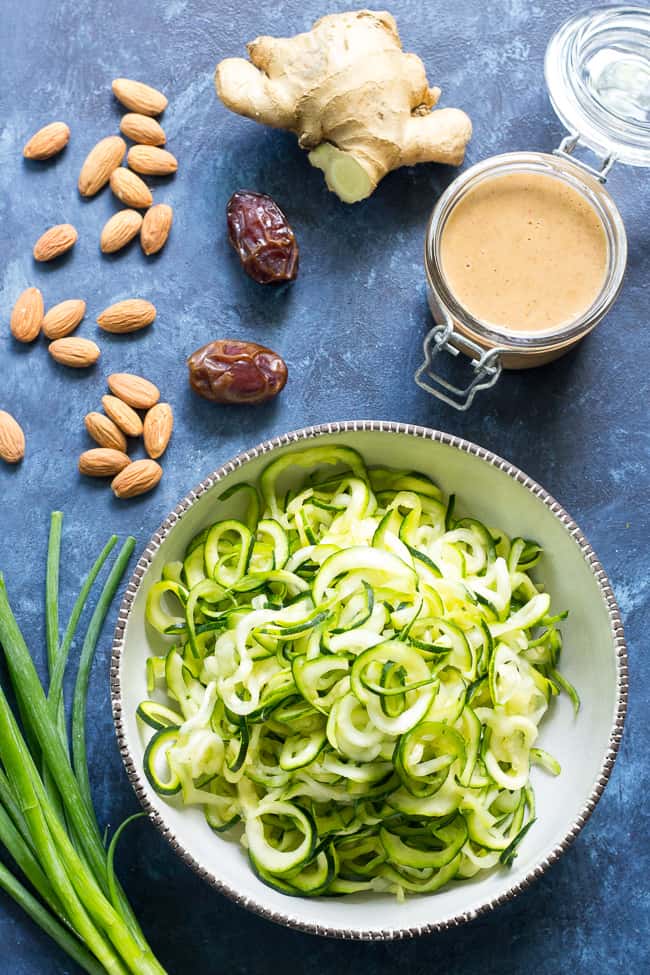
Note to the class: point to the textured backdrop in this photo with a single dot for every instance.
(350, 329)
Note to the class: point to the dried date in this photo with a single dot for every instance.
(230, 371)
(262, 237)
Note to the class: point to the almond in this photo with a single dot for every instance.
(122, 415)
(133, 390)
(142, 129)
(105, 432)
(127, 316)
(54, 242)
(27, 315)
(62, 319)
(103, 462)
(152, 161)
(12, 439)
(100, 163)
(120, 230)
(139, 97)
(155, 228)
(138, 478)
(74, 352)
(48, 141)
(158, 426)
(130, 189)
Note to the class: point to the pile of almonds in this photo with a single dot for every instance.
(28, 319)
(103, 165)
(121, 419)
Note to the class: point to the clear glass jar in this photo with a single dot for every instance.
(598, 75)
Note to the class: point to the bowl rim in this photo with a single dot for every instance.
(425, 433)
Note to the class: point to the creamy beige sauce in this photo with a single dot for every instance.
(525, 252)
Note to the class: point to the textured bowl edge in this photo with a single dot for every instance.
(425, 433)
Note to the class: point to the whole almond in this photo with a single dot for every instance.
(152, 161)
(100, 163)
(130, 189)
(27, 315)
(127, 316)
(12, 439)
(54, 242)
(62, 319)
(158, 426)
(138, 478)
(103, 462)
(155, 228)
(139, 97)
(105, 432)
(48, 141)
(133, 390)
(75, 353)
(120, 230)
(122, 415)
(142, 129)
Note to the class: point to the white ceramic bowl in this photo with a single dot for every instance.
(594, 659)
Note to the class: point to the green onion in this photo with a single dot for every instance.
(47, 822)
(79, 755)
(71, 945)
(22, 853)
(52, 588)
(56, 679)
(110, 859)
(52, 632)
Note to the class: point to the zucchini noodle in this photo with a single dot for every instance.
(356, 675)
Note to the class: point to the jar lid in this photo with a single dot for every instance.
(597, 71)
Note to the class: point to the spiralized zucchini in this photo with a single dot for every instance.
(357, 675)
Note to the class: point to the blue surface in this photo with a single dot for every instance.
(350, 329)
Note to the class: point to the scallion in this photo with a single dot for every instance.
(48, 825)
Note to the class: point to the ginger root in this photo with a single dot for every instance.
(352, 97)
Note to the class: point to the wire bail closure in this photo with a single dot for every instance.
(487, 366)
(568, 146)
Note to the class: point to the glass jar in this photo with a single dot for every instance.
(598, 75)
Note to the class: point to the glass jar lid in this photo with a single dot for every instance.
(597, 71)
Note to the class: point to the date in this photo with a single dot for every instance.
(262, 237)
(232, 371)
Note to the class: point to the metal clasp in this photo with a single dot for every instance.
(486, 365)
(568, 146)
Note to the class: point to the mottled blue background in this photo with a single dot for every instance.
(350, 329)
